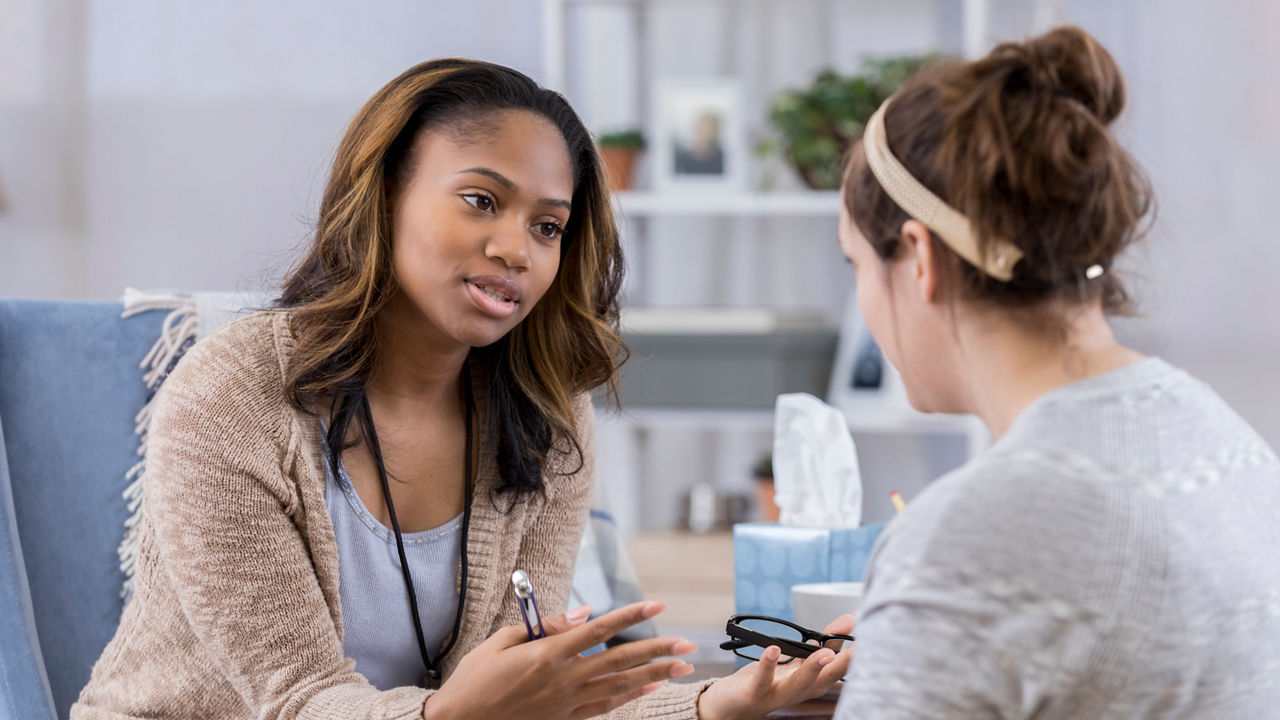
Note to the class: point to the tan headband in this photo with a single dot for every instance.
(911, 195)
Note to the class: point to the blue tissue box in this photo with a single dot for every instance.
(769, 558)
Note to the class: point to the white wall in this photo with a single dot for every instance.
(41, 126)
(185, 144)
(1204, 120)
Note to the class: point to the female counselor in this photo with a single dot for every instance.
(338, 490)
(1112, 554)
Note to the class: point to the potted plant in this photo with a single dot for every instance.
(817, 123)
(619, 151)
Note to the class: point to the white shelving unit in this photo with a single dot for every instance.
(745, 212)
(975, 13)
(868, 420)
(635, 203)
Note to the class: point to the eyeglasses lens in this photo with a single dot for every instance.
(771, 629)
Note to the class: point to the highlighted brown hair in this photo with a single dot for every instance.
(1018, 141)
(568, 344)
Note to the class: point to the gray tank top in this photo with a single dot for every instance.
(377, 628)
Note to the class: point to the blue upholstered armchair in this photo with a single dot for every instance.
(69, 389)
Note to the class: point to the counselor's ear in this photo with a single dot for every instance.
(921, 260)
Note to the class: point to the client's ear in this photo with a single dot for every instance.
(922, 261)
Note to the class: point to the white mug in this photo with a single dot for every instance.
(813, 605)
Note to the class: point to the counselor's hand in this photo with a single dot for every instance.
(764, 686)
(510, 676)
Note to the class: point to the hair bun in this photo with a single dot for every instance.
(1068, 62)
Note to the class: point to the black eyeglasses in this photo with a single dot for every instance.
(751, 634)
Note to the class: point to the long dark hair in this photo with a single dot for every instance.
(568, 344)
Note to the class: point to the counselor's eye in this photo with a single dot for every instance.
(549, 230)
(479, 201)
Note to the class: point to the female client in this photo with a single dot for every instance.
(1112, 555)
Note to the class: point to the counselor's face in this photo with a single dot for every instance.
(478, 226)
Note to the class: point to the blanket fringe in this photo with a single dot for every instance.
(178, 332)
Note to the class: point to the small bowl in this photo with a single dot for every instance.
(813, 605)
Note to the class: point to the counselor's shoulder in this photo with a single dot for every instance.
(230, 384)
(571, 466)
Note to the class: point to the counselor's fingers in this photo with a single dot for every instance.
(762, 681)
(839, 645)
(837, 669)
(621, 683)
(842, 625)
(807, 674)
(594, 632)
(556, 624)
(628, 655)
(509, 636)
(601, 707)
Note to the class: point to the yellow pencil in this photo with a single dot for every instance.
(896, 497)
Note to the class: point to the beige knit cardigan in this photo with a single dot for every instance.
(235, 612)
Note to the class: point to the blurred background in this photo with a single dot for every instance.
(182, 144)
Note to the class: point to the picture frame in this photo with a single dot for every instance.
(699, 135)
(861, 377)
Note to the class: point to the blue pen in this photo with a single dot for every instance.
(528, 605)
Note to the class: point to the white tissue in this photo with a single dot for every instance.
(815, 465)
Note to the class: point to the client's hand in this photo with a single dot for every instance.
(764, 686)
(509, 676)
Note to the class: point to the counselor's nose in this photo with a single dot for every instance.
(509, 244)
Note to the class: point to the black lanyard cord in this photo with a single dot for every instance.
(432, 678)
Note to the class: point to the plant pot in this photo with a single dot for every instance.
(766, 509)
(619, 163)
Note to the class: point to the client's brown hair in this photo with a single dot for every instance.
(1018, 141)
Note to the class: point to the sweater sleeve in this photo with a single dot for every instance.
(224, 514)
(958, 622)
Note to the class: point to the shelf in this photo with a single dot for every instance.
(719, 321)
(816, 203)
(870, 421)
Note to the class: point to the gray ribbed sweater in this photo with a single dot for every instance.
(1115, 555)
(236, 610)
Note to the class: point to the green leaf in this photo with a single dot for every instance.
(816, 123)
(632, 139)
